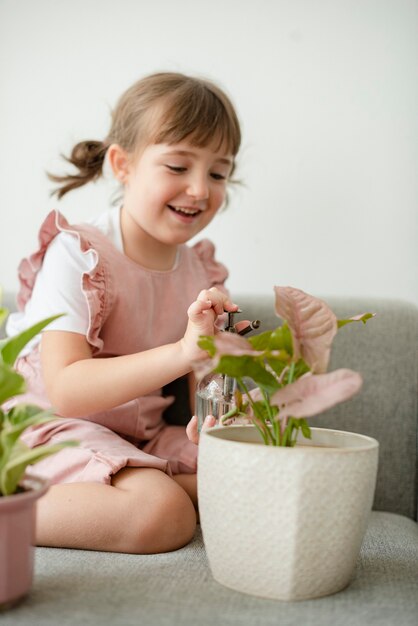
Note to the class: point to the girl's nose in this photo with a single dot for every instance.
(198, 187)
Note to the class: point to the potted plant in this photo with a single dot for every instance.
(284, 507)
(18, 492)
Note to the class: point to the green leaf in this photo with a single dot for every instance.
(287, 339)
(262, 341)
(278, 339)
(207, 342)
(360, 318)
(306, 431)
(263, 411)
(14, 470)
(277, 365)
(22, 412)
(247, 366)
(9, 435)
(3, 314)
(11, 383)
(239, 400)
(10, 349)
(301, 368)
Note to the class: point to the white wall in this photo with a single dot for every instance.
(327, 94)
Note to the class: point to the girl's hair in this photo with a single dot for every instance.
(161, 108)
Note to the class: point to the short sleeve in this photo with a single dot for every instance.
(216, 272)
(57, 289)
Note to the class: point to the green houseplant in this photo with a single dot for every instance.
(283, 506)
(286, 367)
(18, 492)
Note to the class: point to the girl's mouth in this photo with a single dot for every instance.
(185, 213)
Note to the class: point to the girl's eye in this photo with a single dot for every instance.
(174, 168)
(216, 176)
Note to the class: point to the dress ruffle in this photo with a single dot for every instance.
(216, 271)
(93, 282)
(29, 267)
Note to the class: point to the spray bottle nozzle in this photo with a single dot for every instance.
(230, 326)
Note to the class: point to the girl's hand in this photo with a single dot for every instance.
(203, 313)
(191, 428)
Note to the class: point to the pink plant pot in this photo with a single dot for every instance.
(17, 538)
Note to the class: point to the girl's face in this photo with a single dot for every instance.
(173, 191)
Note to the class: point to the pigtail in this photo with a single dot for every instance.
(88, 157)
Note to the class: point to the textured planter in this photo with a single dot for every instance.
(17, 532)
(285, 523)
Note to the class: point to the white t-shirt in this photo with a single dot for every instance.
(58, 286)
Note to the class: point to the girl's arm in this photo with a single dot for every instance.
(78, 385)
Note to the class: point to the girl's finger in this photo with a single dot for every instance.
(191, 430)
(222, 303)
(198, 307)
(209, 421)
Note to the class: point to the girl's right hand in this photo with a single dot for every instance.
(191, 428)
(203, 314)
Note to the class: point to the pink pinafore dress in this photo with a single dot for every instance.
(131, 309)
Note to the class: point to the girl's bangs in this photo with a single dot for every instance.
(203, 121)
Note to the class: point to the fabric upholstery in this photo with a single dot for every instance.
(177, 588)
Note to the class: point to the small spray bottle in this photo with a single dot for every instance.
(215, 392)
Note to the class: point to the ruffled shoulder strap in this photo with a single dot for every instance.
(94, 282)
(216, 272)
(30, 266)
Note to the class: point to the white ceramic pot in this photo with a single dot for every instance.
(17, 536)
(285, 523)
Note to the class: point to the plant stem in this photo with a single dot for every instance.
(265, 432)
(290, 426)
(274, 423)
(287, 432)
(295, 433)
(291, 372)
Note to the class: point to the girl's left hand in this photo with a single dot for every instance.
(203, 313)
(191, 428)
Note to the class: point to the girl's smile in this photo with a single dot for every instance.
(185, 214)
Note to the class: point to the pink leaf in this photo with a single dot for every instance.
(203, 367)
(314, 394)
(232, 344)
(312, 323)
(227, 344)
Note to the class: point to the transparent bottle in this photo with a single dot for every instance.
(214, 396)
(215, 392)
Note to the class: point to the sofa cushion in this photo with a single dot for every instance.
(76, 586)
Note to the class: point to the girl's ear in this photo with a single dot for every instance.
(119, 162)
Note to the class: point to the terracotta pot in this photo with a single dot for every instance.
(285, 523)
(17, 533)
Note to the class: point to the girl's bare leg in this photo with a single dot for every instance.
(143, 511)
(189, 484)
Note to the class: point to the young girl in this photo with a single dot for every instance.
(135, 299)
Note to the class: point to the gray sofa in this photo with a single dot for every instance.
(73, 586)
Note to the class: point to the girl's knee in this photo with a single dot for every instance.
(161, 518)
(173, 520)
